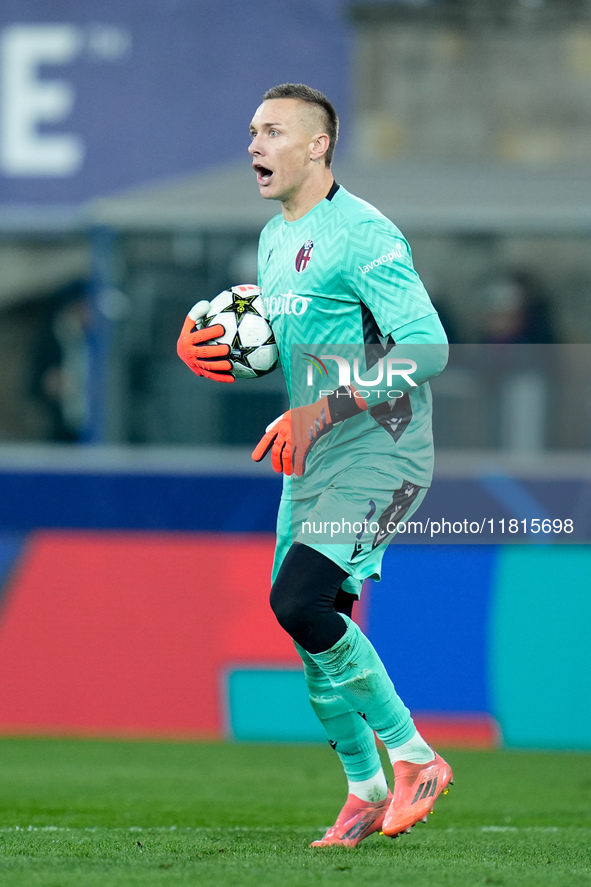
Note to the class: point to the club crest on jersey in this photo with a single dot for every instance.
(304, 255)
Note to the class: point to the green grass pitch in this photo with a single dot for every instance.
(84, 813)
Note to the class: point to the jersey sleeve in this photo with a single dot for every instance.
(420, 353)
(378, 268)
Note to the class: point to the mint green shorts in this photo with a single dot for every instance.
(350, 522)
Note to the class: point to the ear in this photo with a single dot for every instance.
(319, 146)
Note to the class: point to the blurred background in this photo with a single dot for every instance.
(125, 196)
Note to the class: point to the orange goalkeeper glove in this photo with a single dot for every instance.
(193, 348)
(291, 437)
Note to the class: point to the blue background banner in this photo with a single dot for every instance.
(86, 87)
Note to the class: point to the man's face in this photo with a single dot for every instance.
(282, 132)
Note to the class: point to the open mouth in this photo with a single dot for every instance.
(264, 174)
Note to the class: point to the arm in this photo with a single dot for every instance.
(420, 353)
(291, 437)
(421, 344)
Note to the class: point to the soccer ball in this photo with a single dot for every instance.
(240, 310)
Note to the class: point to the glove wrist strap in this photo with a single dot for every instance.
(344, 403)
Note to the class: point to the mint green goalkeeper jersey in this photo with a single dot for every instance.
(341, 280)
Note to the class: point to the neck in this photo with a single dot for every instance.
(308, 195)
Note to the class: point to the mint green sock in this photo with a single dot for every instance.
(357, 673)
(348, 734)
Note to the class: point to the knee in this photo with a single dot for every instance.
(291, 612)
(303, 598)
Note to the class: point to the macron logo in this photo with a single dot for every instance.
(382, 260)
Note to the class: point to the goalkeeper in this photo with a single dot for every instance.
(358, 339)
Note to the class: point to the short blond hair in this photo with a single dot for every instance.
(312, 97)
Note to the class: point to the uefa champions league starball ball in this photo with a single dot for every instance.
(240, 310)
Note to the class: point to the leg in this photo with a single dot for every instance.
(420, 775)
(347, 732)
(303, 599)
